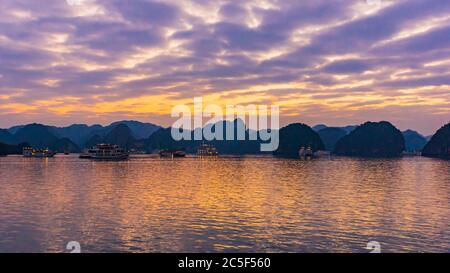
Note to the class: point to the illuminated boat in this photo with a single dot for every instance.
(172, 153)
(87, 154)
(305, 152)
(38, 153)
(108, 152)
(207, 150)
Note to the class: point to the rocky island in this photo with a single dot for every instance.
(439, 145)
(372, 139)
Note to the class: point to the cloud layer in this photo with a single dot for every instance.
(337, 62)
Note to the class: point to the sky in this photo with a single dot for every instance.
(337, 62)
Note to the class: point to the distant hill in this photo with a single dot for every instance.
(140, 130)
(77, 133)
(6, 137)
(372, 139)
(319, 127)
(235, 147)
(80, 134)
(63, 145)
(6, 149)
(14, 129)
(162, 139)
(439, 145)
(40, 136)
(37, 135)
(120, 135)
(94, 140)
(330, 136)
(414, 141)
(295, 136)
(347, 129)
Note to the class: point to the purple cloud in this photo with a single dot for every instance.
(320, 51)
(346, 67)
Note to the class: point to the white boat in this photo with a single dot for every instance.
(38, 153)
(87, 154)
(108, 152)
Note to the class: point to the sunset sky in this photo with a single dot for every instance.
(335, 62)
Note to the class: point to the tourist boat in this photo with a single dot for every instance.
(108, 152)
(39, 153)
(172, 153)
(87, 154)
(207, 150)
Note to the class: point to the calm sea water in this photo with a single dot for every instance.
(224, 205)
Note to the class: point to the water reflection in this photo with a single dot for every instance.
(230, 204)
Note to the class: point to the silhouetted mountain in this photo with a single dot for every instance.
(347, 129)
(65, 145)
(235, 147)
(414, 141)
(372, 139)
(77, 133)
(330, 136)
(319, 127)
(6, 137)
(439, 145)
(40, 136)
(96, 139)
(13, 130)
(296, 136)
(37, 135)
(162, 139)
(120, 135)
(140, 130)
(80, 134)
(6, 149)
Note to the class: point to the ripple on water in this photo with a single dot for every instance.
(226, 204)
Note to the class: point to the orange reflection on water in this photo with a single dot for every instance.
(224, 204)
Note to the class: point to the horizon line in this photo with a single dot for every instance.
(206, 123)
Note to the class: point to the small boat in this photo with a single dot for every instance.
(109, 152)
(322, 154)
(38, 153)
(172, 153)
(305, 152)
(207, 150)
(412, 154)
